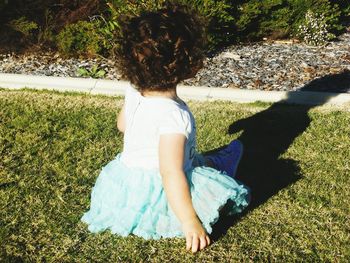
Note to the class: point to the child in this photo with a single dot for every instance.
(159, 186)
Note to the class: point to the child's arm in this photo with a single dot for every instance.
(171, 158)
(121, 120)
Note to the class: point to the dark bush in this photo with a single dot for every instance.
(219, 14)
(281, 18)
(229, 21)
(80, 38)
(50, 16)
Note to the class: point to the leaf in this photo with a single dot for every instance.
(83, 72)
(94, 69)
(100, 74)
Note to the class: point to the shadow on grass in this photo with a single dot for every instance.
(266, 136)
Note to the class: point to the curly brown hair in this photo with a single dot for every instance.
(160, 49)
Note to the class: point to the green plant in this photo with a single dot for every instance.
(94, 72)
(45, 33)
(23, 25)
(260, 18)
(80, 38)
(221, 20)
(330, 13)
(3, 3)
(282, 18)
(107, 30)
(229, 21)
(315, 31)
(217, 12)
(328, 9)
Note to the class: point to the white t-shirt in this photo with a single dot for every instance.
(146, 119)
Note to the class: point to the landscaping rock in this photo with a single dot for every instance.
(279, 65)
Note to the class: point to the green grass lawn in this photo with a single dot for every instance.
(296, 161)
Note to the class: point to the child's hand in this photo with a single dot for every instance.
(196, 236)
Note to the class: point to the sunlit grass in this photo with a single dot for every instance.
(297, 161)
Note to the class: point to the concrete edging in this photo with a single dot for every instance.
(114, 88)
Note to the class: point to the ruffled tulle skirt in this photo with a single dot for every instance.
(133, 201)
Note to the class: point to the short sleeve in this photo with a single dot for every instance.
(132, 98)
(176, 121)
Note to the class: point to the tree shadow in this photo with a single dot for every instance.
(331, 83)
(266, 136)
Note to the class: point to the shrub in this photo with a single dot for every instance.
(107, 30)
(344, 9)
(255, 19)
(315, 29)
(49, 15)
(229, 21)
(22, 29)
(2, 4)
(221, 21)
(219, 14)
(32, 10)
(80, 38)
(282, 18)
(23, 26)
(45, 34)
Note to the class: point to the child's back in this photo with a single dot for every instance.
(159, 186)
(146, 119)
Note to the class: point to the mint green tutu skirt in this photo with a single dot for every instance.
(133, 201)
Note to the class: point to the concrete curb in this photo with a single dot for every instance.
(113, 88)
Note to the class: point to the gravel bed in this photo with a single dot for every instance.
(279, 65)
